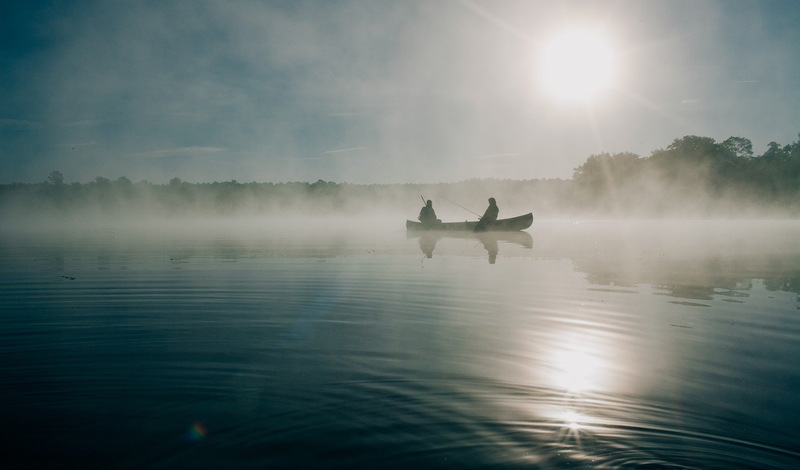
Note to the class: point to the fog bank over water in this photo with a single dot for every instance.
(688, 259)
(287, 203)
(121, 199)
(693, 177)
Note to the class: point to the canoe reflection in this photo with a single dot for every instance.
(489, 240)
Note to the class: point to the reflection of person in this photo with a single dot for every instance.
(427, 242)
(489, 242)
(427, 215)
(489, 216)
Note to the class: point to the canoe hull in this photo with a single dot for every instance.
(502, 225)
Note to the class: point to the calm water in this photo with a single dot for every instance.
(590, 345)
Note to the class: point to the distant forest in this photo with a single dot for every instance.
(693, 177)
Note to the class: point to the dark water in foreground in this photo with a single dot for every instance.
(594, 345)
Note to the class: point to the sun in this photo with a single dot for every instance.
(577, 65)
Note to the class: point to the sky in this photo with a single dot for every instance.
(418, 91)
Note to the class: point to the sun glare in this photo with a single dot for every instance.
(577, 65)
(577, 371)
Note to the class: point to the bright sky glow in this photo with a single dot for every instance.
(577, 65)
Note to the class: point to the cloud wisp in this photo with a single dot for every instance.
(180, 152)
(345, 150)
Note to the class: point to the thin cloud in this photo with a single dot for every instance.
(77, 144)
(344, 114)
(18, 124)
(86, 123)
(500, 155)
(179, 152)
(352, 149)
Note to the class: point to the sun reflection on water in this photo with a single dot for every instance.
(571, 424)
(572, 419)
(578, 370)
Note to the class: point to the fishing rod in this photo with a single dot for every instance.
(459, 205)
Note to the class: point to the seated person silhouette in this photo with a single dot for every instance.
(489, 217)
(427, 215)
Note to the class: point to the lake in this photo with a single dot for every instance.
(575, 344)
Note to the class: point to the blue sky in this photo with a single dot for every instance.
(376, 91)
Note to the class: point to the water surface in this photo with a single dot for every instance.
(572, 345)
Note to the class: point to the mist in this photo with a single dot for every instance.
(693, 177)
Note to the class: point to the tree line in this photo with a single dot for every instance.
(693, 176)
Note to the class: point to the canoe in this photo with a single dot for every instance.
(501, 225)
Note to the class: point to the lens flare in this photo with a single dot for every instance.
(196, 432)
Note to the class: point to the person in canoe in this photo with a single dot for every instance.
(427, 215)
(489, 217)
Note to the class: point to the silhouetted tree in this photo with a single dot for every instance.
(692, 150)
(738, 147)
(56, 178)
(604, 171)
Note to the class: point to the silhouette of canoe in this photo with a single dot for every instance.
(501, 225)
